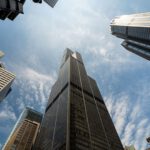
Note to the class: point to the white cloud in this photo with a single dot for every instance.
(7, 113)
(81, 26)
(131, 124)
(33, 75)
(119, 111)
(34, 88)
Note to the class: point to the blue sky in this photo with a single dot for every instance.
(34, 44)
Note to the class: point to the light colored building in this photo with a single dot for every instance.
(25, 131)
(52, 3)
(134, 29)
(1, 54)
(6, 79)
(148, 142)
(129, 147)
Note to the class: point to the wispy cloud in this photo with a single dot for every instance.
(83, 26)
(7, 113)
(34, 88)
(130, 122)
(7, 119)
(33, 75)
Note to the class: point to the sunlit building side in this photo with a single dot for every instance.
(135, 30)
(6, 80)
(1, 54)
(131, 147)
(25, 131)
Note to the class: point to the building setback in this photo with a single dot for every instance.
(76, 116)
(25, 131)
(135, 30)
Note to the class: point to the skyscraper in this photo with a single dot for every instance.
(52, 3)
(25, 131)
(135, 30)
(129, 147)
(1, 54)
(148, 143)
(6, 79)
(12, 8)
(76, 116)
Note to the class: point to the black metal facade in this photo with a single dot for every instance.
(76, 117)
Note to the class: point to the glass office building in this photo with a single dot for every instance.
(135, 30)
(25, 131)
(76, 117)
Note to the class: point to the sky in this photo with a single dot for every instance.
(34, 43)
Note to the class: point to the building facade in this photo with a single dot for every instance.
(130, 147)
(1, 54)
(52, 3)
(148, 143)
(10, 8)
(76, 116)
(25, 131)
(6, 79)
(135, 30)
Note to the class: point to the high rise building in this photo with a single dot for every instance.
(76, 116)
(129, 147)
(6, 79)
(10, 8)
(1, 54)
(135, 30)
(52, 3)
(148, 140)
(148, 143)
(25, 131)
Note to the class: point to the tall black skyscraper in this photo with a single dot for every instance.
(76, 117)
(135, 30)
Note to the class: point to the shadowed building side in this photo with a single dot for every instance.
(6, 80)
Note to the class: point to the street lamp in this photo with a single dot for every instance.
(12, 8)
